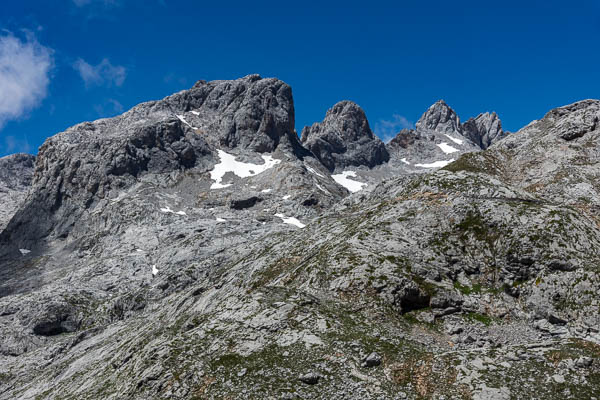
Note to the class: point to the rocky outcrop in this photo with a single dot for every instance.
(16, 173)
(440, 118)
(483, 130)
(249, 113)
(344, 139)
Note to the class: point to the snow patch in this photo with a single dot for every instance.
(266, 190)
(24, 251)
(446, 148)
(196, 113)
(435, 164)
(167, 210)
(405, 162)
(221, 220)
(455, 140)
(350, 184)
(154, 270)
(312, 171)
(290, 220)
(241, 169)
(182, 119)
(287, 196)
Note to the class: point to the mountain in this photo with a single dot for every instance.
(437, 140)
(439, 118)
(344, 139)
(194, 248)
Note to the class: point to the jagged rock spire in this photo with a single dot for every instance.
(484, 129)
(439, 117)
(344, 138)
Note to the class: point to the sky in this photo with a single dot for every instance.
(67, 61)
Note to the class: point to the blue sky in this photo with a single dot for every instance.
(67, 61)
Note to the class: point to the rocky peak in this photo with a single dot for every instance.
(483, 130)
(91, 162)
(252, 113)
(348, 119)
(440, 118)
(344, 138)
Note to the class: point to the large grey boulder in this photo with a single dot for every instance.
(344, 139)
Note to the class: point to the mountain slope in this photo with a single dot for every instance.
(194, 249)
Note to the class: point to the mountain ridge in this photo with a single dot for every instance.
(194, 249)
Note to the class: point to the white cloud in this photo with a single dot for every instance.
(102, 74)
(25, 67)
(387, 129)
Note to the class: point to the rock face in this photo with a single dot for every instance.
(16, 173)
(440, 118)
(344, 139)
(170, 253)
(484, 130)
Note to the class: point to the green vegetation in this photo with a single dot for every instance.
(466, 290)
(484, 319)
(470, 162)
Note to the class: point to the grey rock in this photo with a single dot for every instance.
(372, 360)
(483, 130)
(584, 362)
(439, 117)
(240, 204)
(468, 339)
(310, 378)
(454, 330)
(344, 139)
